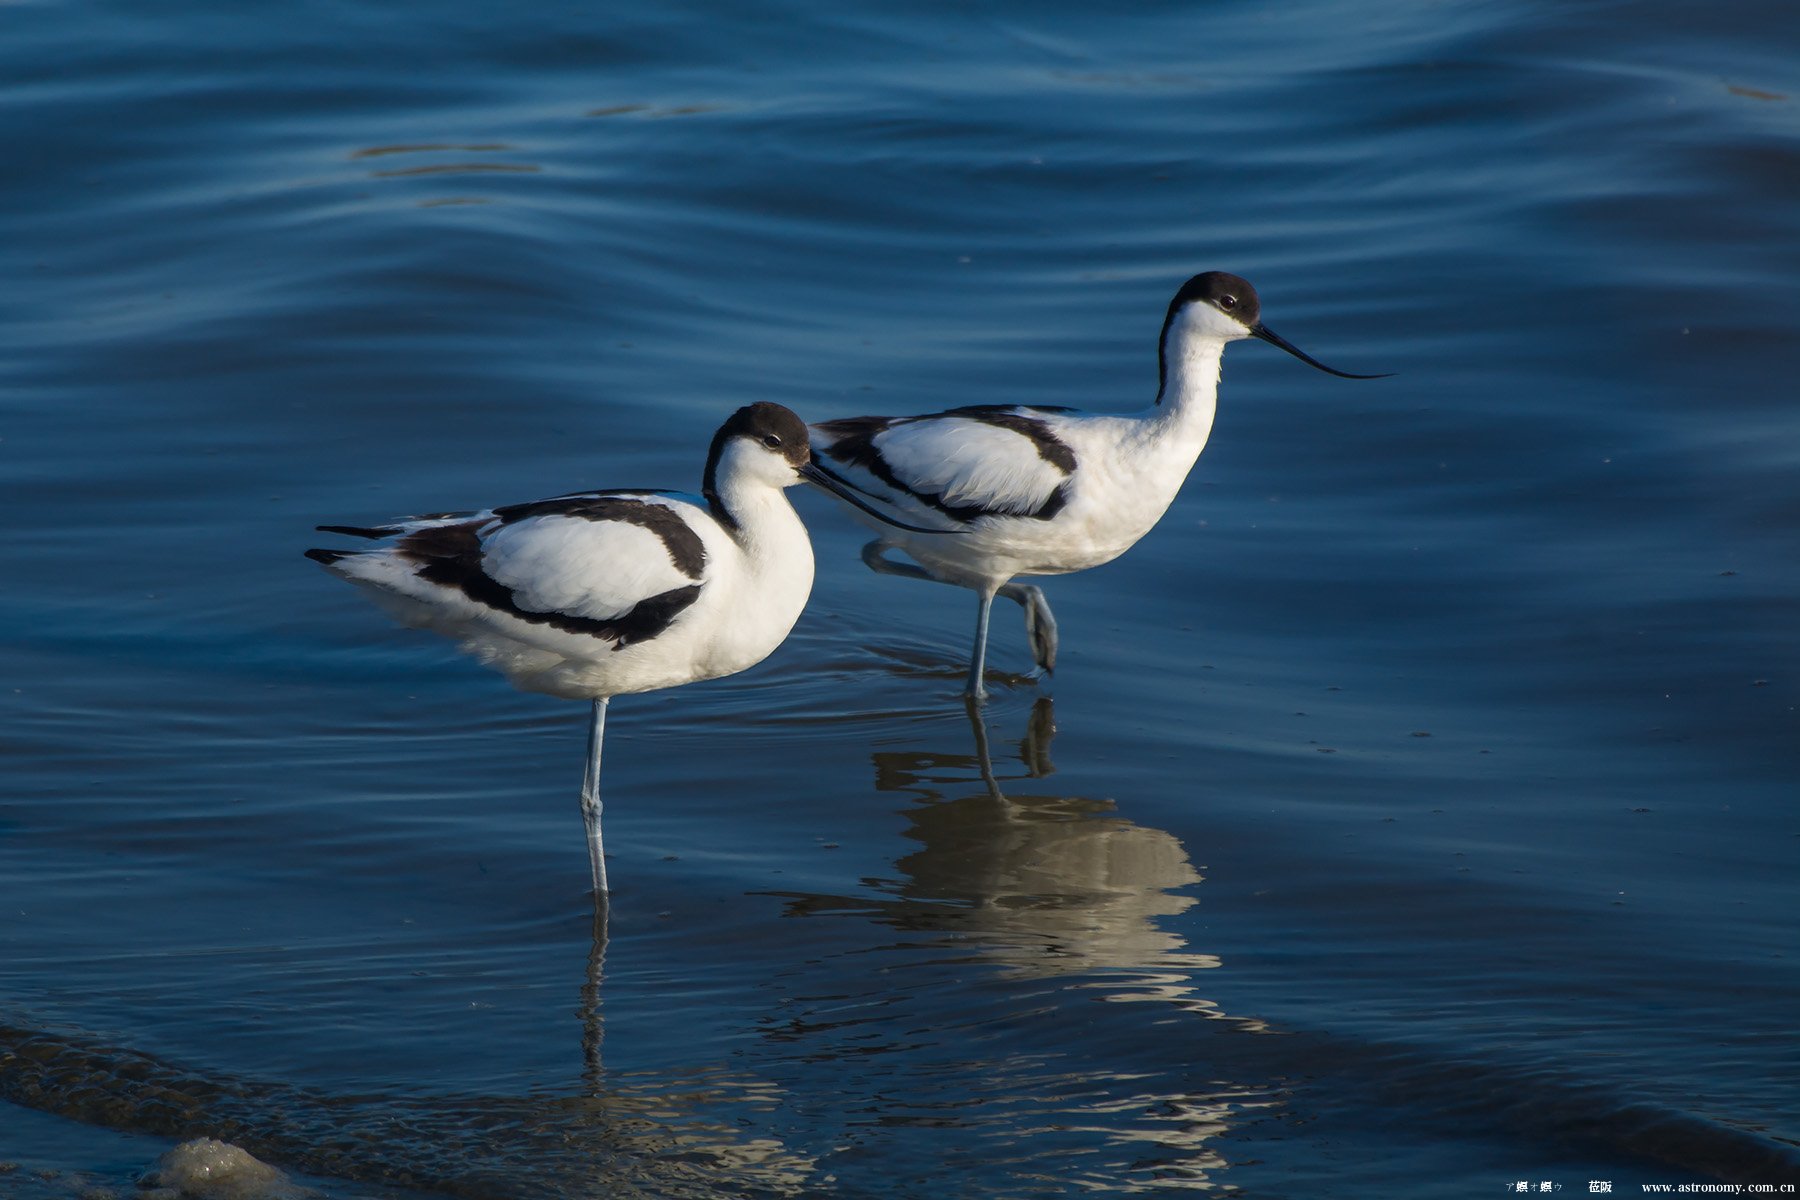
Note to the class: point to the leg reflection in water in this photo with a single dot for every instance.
(1044, 883)
(1034, 749)
(593, 1027)
(1025, 970)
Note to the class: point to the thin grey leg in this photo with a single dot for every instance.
(876, 562)
(1040, 623)
(590, 797)
(978, 661)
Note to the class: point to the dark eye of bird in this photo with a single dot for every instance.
(771, 440)
(1227, 301)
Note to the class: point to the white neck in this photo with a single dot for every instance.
(765, 521)
(749, 489)
(1190, 393)
(775, 568)
(744, 485)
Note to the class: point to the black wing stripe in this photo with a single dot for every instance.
(450, 556)
(1050, 448)
(362, 531)
(855, 446)
(645, 620)
(685, 548)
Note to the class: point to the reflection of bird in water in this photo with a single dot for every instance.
(1065, 902)
(1050, 884)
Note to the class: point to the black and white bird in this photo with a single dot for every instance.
(600, 594)
(1039, 490)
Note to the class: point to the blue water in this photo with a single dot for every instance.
(1413, 812)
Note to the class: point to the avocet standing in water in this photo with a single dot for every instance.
(1038, 490)
(601, 594)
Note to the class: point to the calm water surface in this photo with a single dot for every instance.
(1414, 814)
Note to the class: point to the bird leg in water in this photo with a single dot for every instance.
(978, 660)
(590, 797)
(1040, 624)
(881, 565)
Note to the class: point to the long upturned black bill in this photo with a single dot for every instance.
(1259, 330)
(814, 474)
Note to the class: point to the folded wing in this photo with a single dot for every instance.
(619, 566)
(964, 464)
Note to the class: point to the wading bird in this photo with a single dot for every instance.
(605, 593)
(1037, 490)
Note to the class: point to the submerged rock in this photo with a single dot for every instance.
(208, 1169)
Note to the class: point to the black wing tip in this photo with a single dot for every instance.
(827, 480)
(328, 557)
(372, 532)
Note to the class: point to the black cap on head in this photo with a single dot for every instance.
(1233, 296)
(775, 427)
(1230, 294)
